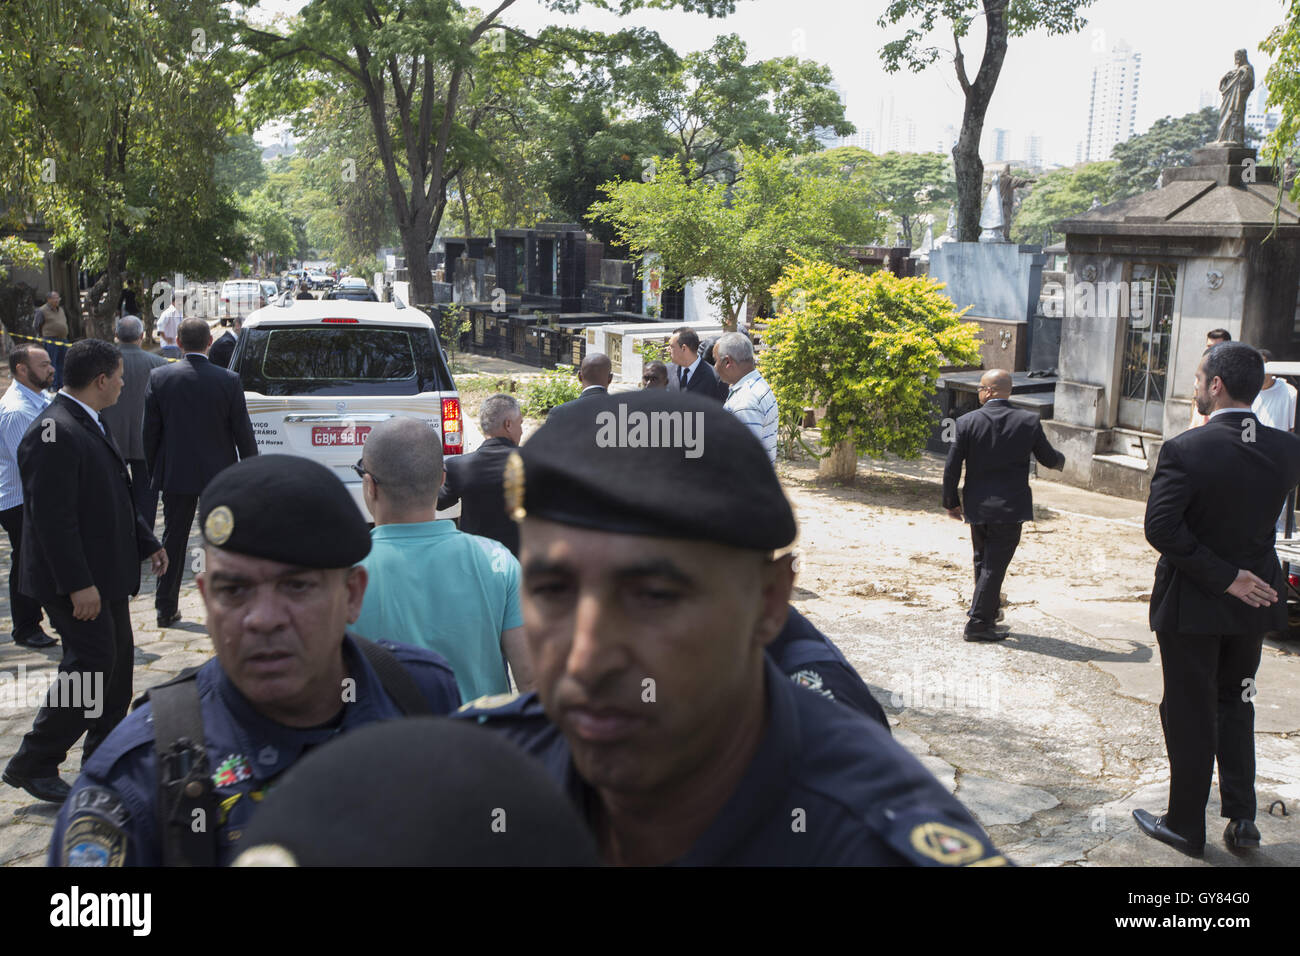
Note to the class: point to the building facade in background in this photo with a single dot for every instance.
(1112, 108)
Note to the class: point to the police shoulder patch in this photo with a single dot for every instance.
(932, 836)
(490, 702)
(96, 834)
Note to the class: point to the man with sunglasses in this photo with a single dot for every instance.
(995, 442)
(431, 585)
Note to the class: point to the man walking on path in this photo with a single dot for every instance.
(82, 546)
(195, 424)
(995, 442)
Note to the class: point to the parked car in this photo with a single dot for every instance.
(354, 289)
(320, 280)
(318, 375)
(240, 297)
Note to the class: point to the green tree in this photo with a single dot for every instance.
(906, 187)
(916, 50)
(869, 349)
(713, 102)
(1169, 142)
(740, 238)
(1060, 195)
(121, 105)
(844, 175)
(1283, 81)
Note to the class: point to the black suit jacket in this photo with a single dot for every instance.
(995, 441)
(703, 381)
(80, 526)
(1214, 501)
(475, 480)
(195, 420)
(222, 349)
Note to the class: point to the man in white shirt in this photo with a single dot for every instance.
(750, 397)
(1274, 406)
(169, 326)
(690, 372)
(32, 373)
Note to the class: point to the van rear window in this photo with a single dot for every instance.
(342, 360)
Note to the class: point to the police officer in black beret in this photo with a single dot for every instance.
(657, 708)
(417, 792)
(280, 582)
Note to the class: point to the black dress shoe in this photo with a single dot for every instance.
(50, 789)
(167, 620)
(39, 639)
(1241, 835)
(985, 637)
(1155, 827)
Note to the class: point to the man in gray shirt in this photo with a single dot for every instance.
(126, 418)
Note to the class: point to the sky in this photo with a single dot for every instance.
(1186, 46)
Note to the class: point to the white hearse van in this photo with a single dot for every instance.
(319, 375)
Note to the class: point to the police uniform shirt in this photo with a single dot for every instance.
(111, 816)
(811, 659)
(826, 787)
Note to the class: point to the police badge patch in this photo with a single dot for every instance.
(813, 681)
(96, 834)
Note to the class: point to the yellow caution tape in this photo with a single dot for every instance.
(38, 338)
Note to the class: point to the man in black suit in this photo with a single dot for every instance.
(82, 545)
(1214, 499)
(995, 441)
(475, 480)
(690, 373)
(195, 421)
(224, 347)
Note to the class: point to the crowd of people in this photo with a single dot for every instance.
(681, 709)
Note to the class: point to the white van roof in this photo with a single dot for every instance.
(304, 312)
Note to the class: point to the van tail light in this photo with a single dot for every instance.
(451, 430)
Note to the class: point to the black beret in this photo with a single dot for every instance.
(284, 508)
(422, 791)
(650, 462)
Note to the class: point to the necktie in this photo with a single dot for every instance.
(682, 375)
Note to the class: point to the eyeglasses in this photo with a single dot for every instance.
(360, 469)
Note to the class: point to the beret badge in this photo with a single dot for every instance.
(513, 480)
(219, 525)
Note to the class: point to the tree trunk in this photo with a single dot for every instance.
(967, 166)
(841, 464)
(103, 296)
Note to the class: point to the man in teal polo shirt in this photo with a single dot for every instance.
(432, 585)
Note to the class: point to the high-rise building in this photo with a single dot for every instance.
(1001, 145)
(1033, 151)
(1259, 117)
(863, 140)
(1112, 109)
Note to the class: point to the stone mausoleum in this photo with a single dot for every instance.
(1148, 277)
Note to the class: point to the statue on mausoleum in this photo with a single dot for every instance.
(1235, 86)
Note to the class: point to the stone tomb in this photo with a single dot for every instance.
(1148, 277)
